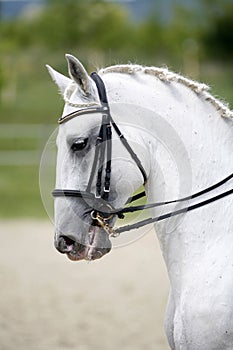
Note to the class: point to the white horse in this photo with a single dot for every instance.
(184, 139)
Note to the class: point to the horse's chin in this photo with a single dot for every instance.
(89, 254)
(95, 248)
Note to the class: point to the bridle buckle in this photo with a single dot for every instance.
(102, 222)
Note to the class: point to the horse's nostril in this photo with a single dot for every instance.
(64, 244)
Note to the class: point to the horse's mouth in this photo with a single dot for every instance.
(92, 250)
(76, 252)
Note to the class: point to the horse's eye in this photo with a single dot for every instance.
(79, 145)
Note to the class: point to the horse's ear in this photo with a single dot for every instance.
(61, 80)
(79, 74)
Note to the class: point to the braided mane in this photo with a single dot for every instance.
(166, 75)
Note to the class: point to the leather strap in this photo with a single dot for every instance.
(159, 204)
(173, 213)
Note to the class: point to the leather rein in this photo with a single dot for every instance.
(104, 211)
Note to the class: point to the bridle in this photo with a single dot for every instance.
(101, 211)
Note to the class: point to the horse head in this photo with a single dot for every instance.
(85, 167)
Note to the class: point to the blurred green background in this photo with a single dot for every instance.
(194, 38)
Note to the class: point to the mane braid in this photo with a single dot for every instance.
(166, 75)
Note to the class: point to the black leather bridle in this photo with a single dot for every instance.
(101, 211)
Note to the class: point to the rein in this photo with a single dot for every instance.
(103, 151)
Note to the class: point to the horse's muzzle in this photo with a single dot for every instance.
(76, 251)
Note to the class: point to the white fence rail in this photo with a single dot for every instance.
(38, 132)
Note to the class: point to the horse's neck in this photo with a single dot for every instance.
(182, 121)
(193, 146)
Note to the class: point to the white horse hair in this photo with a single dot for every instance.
(176, 128)
(164, 75)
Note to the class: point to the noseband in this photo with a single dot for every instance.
(101, 210)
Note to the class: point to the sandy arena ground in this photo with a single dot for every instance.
(50, 303)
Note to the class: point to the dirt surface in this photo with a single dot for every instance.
(50, 303)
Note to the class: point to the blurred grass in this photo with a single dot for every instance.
(19, 188)
(34, 99)
(22, 144)
(220, 78)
